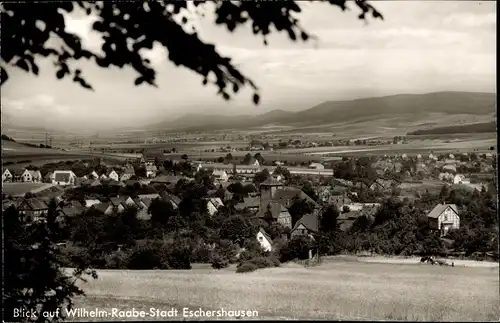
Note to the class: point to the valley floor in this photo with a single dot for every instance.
(337, 289)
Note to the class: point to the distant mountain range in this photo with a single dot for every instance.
(331, 112)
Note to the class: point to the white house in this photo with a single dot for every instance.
(93, 175)
(459, 179)
(36, 176)
(6, 176)
(103, 176)
(213, 205)
(26, 176)
(446, 177)
(220, 175)
(316, 166)
(151, 171)
(264, 239)
(90, 202)
(444, 217)
(113, 175)
(63, 177)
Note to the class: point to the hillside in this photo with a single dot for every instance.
(469, 128)
(417, 106)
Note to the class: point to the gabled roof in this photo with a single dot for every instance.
(147, 201)
(73, 210)
(271, 182)
(132, 182)
(218, 173)
(165, 179)
(111, 171)
(101, 207)
(149, 196)
(62, 175)
(33, 204)
(264, 233)
(440, 208)
(275, 207)
(310, 221)
(216, 201)
(289, 193)
(115, 201)
(171, 198)
(17, 172)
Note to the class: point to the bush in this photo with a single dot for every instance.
(148, 255)
(262, 262)
(246, 267)
(117, 260)
(218, 261)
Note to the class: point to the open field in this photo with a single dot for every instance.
(18, 189)
(338, 289)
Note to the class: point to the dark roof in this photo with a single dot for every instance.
(165, 179)
(33, 204)
(251, 202)
(171, 198)
(276, 209)
(264, 233)
(115, 183)
(62, 176)
(310, 221)
(115, 201)
(101, 207)
(7, 203)
(147, 201)
(271, 182)
(286, 195)
(132, 182)
(16, 171)
(440, 208)
(72, 210)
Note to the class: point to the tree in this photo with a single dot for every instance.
(259, 158)
(309, 190)
(144, 24)
(299, 208)
(285, 173)
(33, 273)
(261, 176)
(247, 159)
(229, 157)
(160, 211)
(140, 171)
(445, 192)
(237, 229)
(328, 220)
(184, 157)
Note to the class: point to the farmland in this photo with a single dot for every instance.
(338, 289)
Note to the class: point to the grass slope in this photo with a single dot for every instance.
(482, 127)
(335, 290)
(415, 106)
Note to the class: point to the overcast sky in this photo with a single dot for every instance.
(421, 46)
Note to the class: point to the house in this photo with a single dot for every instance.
(128, 172)
(112, 182)
(220, 175)
(117, 203)
(250, 203)
(7, 176)
(278, 212)
(72, 211)
(174, 200)
(307, 225)
(36, 176)
(103, 177)
(26, 176)
(93, 175)
(451, 156)
(316, 166)
(151, 157)
(446, 177)
(432, 156)
(288, 195)
(105, 208)
(64, 177)
(149, 196)
(33, 209)
(444, 217)
(151, 171)
(265, 240)
(112, 174)
(213, 205)
(144, 204)
(49, 177)
(346, 220)
(449, 168)
(252, 162)
(91, 202)
(167, 180)
(459, 179)
(340, 201)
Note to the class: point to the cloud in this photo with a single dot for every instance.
(471, 20)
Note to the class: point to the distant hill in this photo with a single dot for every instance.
(417, 105)
(468, 128)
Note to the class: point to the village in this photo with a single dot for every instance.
(293, 197)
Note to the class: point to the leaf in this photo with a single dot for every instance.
(3, 77)
(21, 63)
(256, 99)
(60, 74)
(304, 36)
(139, 80)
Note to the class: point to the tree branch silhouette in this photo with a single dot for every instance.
(129, 27)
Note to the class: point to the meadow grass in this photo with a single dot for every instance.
(344, 290)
